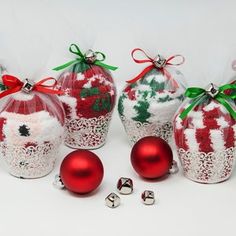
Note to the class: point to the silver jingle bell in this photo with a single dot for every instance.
(148, 197)
(159, 61)
(90, 56)
(212, 90)
(125, 185)
(27, 86)
(58, 182)
(174, 168)
(112, 200)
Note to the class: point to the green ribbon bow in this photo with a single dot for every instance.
(82, 58)
(198, 93)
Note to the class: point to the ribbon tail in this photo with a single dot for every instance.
(139, 76)
(185, 112)
(10, 91)
(109, 67)
(227, 106)
(42, 89)
(61, 67)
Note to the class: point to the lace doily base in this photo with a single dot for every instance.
(212, 167)
(136, 130)
(33, 161)
(88, 133)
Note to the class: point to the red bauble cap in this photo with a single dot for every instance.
(81, 171)
(151, 157)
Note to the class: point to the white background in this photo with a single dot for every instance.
(34, 37)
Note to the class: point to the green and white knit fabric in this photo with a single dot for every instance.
(152, 98)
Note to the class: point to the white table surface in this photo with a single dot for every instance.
(204, 32)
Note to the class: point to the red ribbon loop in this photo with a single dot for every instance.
(153, 66)
(14, 85)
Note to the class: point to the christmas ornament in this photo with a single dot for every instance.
(81, 171)
(31, 126)
(148, 102)
(148, 197)
(151, 157)
(112, 200)
(125, 185)
(205, 133)
(89, 98)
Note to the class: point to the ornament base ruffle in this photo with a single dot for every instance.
(33, 161)
(136, 130)
(211, 167)
(87, 133)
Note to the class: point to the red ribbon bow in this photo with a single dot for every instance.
(14, 85)
(153, 66)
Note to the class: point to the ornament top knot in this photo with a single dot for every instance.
(159, 61)
(90, 56)
(28, 86)
(212, 90)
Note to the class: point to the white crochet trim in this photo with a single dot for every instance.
(87, 133)
(32, 161)
(212, 167)
(137, 130)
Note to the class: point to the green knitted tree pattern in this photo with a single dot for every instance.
(152, 89)
(86, 92)
(121, 104)
(102, 104)
(142, 113)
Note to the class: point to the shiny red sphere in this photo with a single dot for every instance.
(151, 157)
(81, 171)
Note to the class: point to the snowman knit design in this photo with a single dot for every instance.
(30, 134)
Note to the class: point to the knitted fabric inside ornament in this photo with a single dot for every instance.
(152, 98)
(89, 91)
(208, 128)
(35, 119)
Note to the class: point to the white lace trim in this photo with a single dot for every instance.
(137, 130)
(87, 133)
(212, 167)
(32, 161)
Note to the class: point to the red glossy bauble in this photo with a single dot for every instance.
(81, 171)
(151, 157)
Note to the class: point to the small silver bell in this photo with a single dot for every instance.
(125, 185)
(58, 182)
(90, 56)
(112, 200)
(148, 197)
(212, 90)
(159, 61)
(28, 86)
(174, 168)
